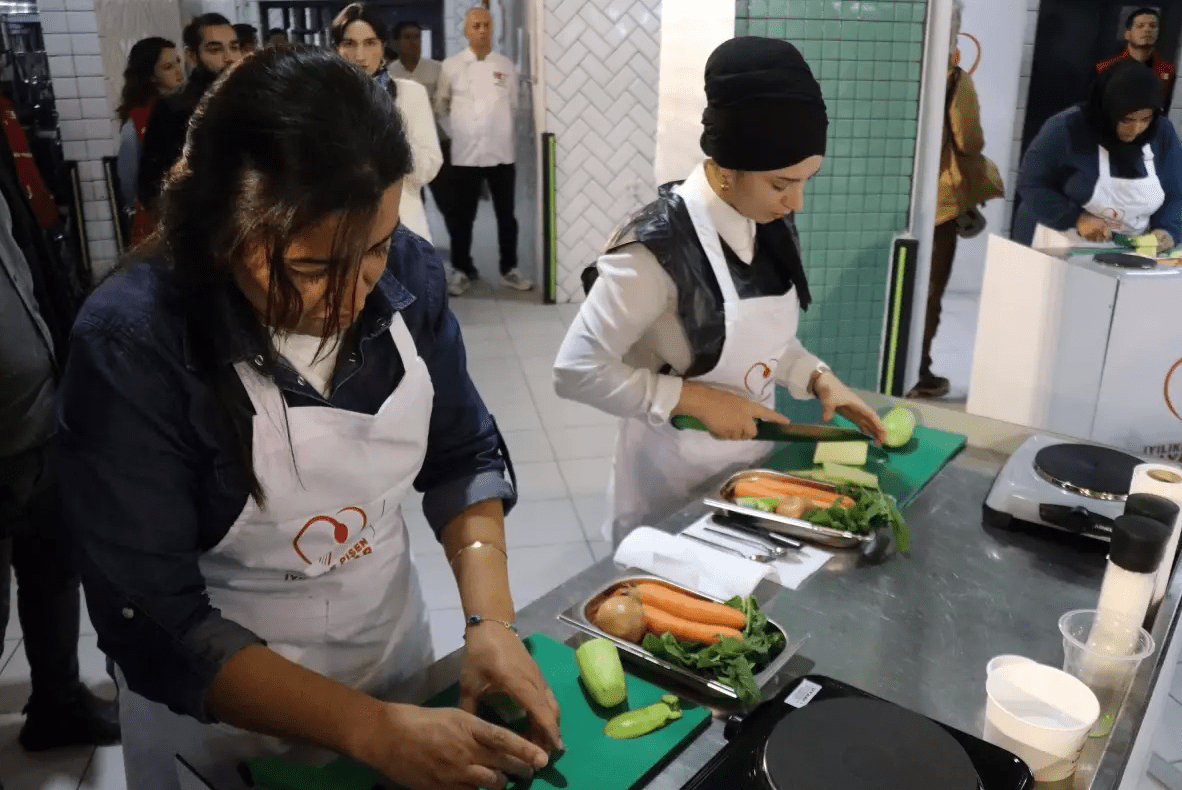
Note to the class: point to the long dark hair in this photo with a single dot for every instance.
(358, 12)
(288, 138)
(139, 78)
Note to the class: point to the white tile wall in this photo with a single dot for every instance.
(1020, 116)
(601, 103)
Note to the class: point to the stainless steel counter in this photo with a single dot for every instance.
(919, 629)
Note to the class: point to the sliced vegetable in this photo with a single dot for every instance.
(899, 423)
(506, 709)
(764, 503)
(621, 616)
(601, 672)
(654, 595)
(661, 622)
(635, 723)
(848, 474)
(847, 453)
(793, 506)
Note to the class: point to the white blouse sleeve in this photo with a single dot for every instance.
(419, 120)
(631, 294)
(796, 369)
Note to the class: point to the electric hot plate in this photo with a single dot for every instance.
(822, 734)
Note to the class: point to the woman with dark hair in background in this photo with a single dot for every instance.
(359, 36)
(153, 70)
(243, 414)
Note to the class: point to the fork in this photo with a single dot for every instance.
(731, 550)
(776, 552)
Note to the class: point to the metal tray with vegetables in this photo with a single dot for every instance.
(838, 515)
(733, 661)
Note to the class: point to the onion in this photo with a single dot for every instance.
(793, 506)
(621, 616)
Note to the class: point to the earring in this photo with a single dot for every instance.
(725, 185)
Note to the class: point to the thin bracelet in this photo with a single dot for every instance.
(476, 544)
(473, 620)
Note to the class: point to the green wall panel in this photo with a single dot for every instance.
(867, 56)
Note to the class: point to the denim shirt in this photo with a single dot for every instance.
(149, 480)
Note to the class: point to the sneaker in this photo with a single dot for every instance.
(513, 279)
(85, 720)
(459, 284)
(929, 386)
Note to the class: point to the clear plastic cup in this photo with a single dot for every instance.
(1104, 650)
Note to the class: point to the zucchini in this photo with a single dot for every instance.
(765, 503)
(601, 672)
(837, 473)
(635, 723)
(845, 453)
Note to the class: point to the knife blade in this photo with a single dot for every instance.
(774, 432)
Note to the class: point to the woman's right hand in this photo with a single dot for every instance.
(725, 415)
(447, 749)
(1093, 228)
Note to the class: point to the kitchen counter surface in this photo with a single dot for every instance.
(919, 629)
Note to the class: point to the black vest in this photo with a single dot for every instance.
(665, 228)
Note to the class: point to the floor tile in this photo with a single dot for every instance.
(543, 522)
(481, 350)
(60, 769)
(540, 345)
(447, 631)
(422, 537)
(952, 348)
(540, 480)
(528, 446)
(567, 313)
(529, 326)
(592, 510)
(105, 771)
(518, 416)
(589, 441)
(473, 313)
(586, 475)
(600, 549)
(558, 413)
(539, 372)
(535, 571)
(1167, 740)
(437, 581)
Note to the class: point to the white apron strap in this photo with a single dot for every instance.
(712, 244)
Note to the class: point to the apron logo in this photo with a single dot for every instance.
(758, 379)
(322, 537)
(1113, 217)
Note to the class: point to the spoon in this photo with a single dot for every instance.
(730, 550)
(772, 551)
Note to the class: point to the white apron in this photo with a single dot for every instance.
(657, 466)
(324, 574)
(1125, 204)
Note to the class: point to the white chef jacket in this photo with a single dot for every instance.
(628, 328)
(475, 101)
(426, 73)
(419, 121)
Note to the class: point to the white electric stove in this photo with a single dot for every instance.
(1078, 488)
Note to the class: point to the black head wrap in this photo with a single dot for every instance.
(764, 107)
(1124, 87)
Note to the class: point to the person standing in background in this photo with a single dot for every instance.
(1141, 32)
(153, 70)
(248, 38)
(211, 47)
(358, 34)
(476, 99)
(411, 65)
(276, 36)
(967, 179)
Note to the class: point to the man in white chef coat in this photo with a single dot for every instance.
(411, 65)
(475, 100)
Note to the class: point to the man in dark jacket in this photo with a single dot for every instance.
(34, 322)
(211, 47)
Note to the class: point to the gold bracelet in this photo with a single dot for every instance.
(476, 544)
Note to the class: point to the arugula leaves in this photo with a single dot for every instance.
(871, 510)
(730, 661)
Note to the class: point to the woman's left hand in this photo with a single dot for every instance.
(837, 398)
(495, 659)
(1165, 241)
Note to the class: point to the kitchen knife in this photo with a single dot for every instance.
(774, 432)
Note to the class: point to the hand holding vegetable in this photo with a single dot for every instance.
(725, 415)
(837, 398)
(1092, 228)
(1165, 242)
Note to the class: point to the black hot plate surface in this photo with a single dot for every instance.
(822, 734)
(1098, 472)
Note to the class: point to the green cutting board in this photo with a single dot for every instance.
(906, 470)
(592, 760)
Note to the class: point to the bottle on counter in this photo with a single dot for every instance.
(1165, 512)
(1138, 545)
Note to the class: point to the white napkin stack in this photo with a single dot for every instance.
(712, 572)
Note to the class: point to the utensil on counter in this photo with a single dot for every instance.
(766, 547)
(783, 525)
(774, 432)
(731, 549)
(747, 526)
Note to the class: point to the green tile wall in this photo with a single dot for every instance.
(867, 56)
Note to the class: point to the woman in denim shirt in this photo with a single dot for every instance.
(241, 417)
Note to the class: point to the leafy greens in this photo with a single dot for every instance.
(730, 661)
(871, 510)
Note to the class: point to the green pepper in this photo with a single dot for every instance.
(635, 723)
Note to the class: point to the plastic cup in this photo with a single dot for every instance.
(1104, 650)
(1041, 714)
(1005, 660)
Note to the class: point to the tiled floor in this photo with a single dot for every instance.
(562, 452)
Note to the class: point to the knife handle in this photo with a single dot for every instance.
(683, 422)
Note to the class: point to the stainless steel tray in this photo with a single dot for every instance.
(576, 616)
(795, 527)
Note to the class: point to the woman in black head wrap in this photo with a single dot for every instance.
(695, 307)
(1109, 165)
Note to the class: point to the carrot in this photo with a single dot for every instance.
(661, 622)
(783, 488)
(686, 606)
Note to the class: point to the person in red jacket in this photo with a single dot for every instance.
(153, 70)
(1141, 31)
